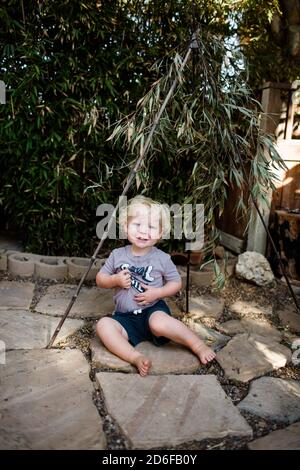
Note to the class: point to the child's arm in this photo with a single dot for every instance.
(108, 281)
(155, 293)
(170, 288)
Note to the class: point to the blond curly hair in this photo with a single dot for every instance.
(164, 213)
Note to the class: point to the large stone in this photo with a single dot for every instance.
(273, 398)
(21, 329)
(46, 402)
(171, 358)
(254, 267)
(250, 325)
(169, 410)
(290, 318)
(283, 439)
(206, 306)
(92, 302)
(244, 308)
(248, 356)
(15, 295)
(168, 359)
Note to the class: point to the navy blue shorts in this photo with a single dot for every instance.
(137, 324)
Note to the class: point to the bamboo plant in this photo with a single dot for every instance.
(210, 129)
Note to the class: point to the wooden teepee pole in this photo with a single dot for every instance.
(130, 177)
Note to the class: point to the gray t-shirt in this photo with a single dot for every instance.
(155, 269)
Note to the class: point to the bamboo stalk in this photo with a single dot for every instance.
(188, 268)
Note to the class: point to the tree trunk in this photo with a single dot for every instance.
(286, 27)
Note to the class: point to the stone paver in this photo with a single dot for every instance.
(168, 359)
(250, 325)
(162, 357)
(244, 308)
(206, 306)
(14, 294)
(248, 356)
(46, 402)
(46, 395)
(162, 411)
(91, 303)
(22, 329)
(273, 398)
(213, 338)
(290, 318)
(283, 439)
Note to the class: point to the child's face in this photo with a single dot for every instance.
(143, 226)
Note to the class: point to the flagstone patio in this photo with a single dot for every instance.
(46, 396)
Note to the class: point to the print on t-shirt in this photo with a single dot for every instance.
(143, 271)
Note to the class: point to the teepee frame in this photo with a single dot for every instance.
(136, 168)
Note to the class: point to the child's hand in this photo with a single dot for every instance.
(150, 295)
(123, 279)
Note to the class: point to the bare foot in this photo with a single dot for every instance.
(205, 353)
(142, 364)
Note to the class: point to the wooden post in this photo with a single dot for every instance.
(291, 110)
(271, 110)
